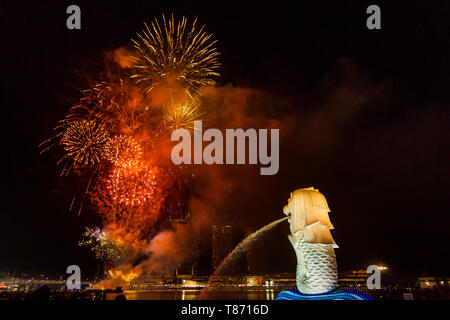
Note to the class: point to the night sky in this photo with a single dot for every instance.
(364, 117)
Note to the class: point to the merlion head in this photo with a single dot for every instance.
(308, 211)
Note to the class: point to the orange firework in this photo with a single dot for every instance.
(130, 199)
(130, 193)
(123, 149)
(118, 105)
(131, 186)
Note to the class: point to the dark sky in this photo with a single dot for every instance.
(368, 115)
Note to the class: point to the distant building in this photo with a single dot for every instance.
(353, 278)
(177, 202)
(222, 244)
(430, 282)
(358, 278)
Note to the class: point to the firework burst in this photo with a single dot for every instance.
(182, 116)
(124, 150)
(172, 54)
(131, 187)
(84, 142)
(115, 104)
(104, 249)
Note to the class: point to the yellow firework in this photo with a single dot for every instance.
(182, 116)
(84, 142)
(175, 54)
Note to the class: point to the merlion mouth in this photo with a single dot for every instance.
(286, 210)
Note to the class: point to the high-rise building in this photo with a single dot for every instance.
(222, 243)
(177, 202)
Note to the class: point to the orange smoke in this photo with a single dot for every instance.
(123, 57)
(163, 253)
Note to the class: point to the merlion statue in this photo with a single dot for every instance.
(312, 241)
(310, 226)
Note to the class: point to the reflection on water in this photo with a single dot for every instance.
(193, 294)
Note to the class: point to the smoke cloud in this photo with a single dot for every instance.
(166, 250)
(162, 255)
(122, 56)
(310, 127)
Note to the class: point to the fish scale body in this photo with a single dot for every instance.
(316, 266)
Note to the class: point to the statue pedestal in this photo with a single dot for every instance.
(333, 295)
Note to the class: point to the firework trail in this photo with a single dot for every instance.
(113, 103)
